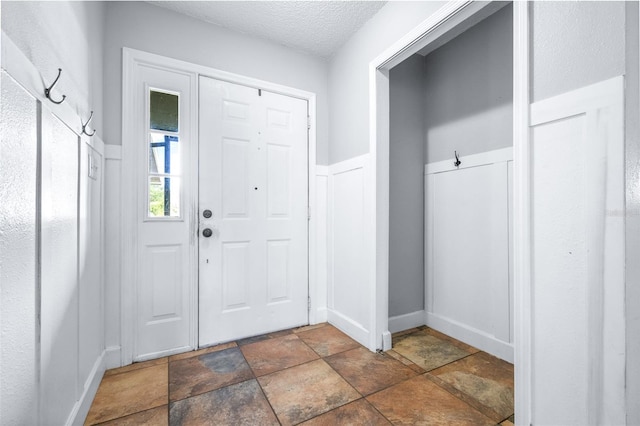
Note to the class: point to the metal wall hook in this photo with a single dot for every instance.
(47, 91)
(457, 162)
(84, 126)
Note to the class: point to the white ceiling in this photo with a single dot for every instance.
(316, 27)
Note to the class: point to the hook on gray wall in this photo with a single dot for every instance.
(457, 162)
(84, 126)
(47, 90)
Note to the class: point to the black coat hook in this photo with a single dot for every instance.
(457, 162)
(47, 91)
(84, 126)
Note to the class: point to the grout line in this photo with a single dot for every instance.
(268, 401)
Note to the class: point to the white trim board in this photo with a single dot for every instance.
(406, 321)
(112, 152)
(521, 216)
(474, 160)
(318, 312)
(131, 60)
(471, 336)
(81, 409)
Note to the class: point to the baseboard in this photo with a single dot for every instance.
(81, 408)
(349, 327)
(406, 321)
(113, 358)
(471, 336)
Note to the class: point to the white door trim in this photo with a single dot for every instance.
(131, 58)
(453, 18)
(521, 216)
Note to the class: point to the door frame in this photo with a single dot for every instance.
(449, 21)
(129, 241)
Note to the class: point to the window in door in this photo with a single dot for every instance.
(164, 183)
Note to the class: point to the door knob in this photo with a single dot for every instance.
(207, 232)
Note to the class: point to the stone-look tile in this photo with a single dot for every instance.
(368, 371)
(204, 373)
(122, 394)
(199, 352)
(262, 337)
(305, 391)
(253, 339)
(429, 351)
(420, 401)
(328, 340)
(135, 366)
(483, 381)
(455, 342)
(154, 417)
(280, 333)
(277, 354)
(239, 404)
(357, 413)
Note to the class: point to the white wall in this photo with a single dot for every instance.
(632, 148)
(574, 44)
(67, 35)
(18, 163)
(468, 288)
(348, 287)
(46, 36)
(349, 74)
(469, 91)
(406, 188)
(579, 43)
(142, 26)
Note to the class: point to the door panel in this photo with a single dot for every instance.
(165, 287)
(253, 179)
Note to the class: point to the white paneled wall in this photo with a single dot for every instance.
(348, 301)
(59, 341)
(577, 256)
(52, 258)
(18, 167)
(467, 274)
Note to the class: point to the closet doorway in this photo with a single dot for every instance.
(450, 187)
(568, 235)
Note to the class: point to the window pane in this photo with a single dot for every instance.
(164, 154)
(164, 196)
(164, 111)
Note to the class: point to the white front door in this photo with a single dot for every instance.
(253, 212)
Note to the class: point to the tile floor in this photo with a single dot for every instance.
(313, 375)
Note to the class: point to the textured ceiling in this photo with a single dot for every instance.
(316, 27)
